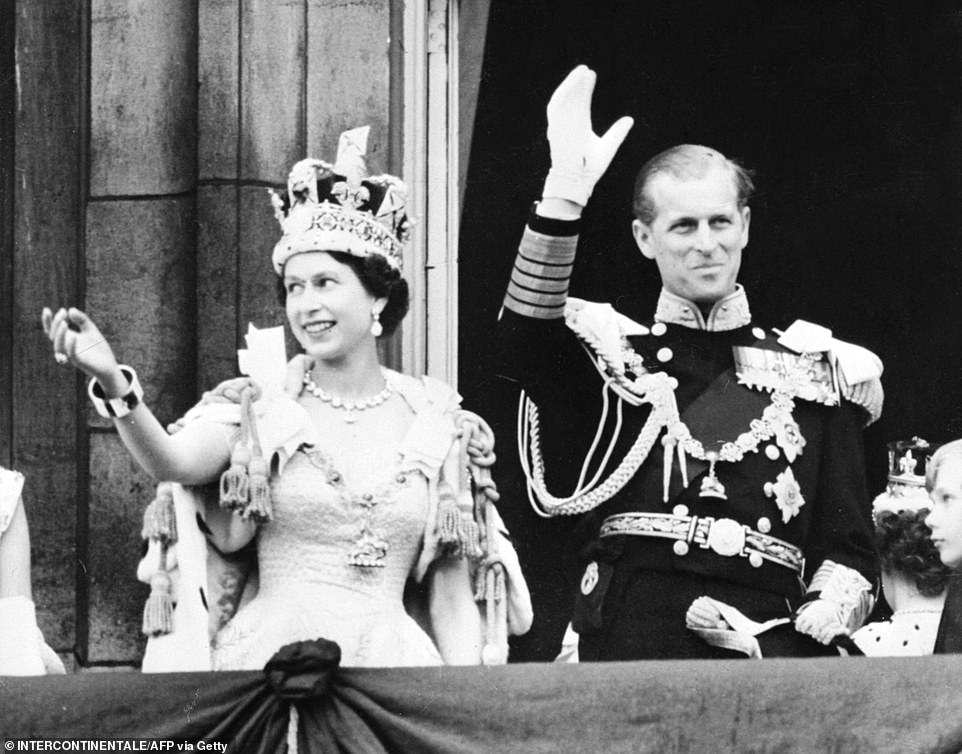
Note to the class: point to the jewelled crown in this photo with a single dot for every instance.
(339, 208)
(906, 477)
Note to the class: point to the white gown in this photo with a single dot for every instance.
(308, 587)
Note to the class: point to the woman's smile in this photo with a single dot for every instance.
(317, 327)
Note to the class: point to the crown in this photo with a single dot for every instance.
(906, 477)
(338, 208)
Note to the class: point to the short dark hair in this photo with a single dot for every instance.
(379, 279)
(686, 161)
(905, 546)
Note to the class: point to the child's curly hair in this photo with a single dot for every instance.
(905, 546)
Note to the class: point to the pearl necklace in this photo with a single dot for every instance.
(351, 408)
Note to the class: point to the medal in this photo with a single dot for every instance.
(370, 548)
(711, 485)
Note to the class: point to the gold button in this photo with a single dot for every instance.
(680, 548)
(680, 510)
(664, 354)
(758, 333)
(772, 452)
(756, 560)
(764, 525)
(659, 329)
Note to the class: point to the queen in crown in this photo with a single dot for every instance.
(353, 482)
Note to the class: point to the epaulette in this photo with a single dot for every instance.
(854, 364)
(824, 368)
(602, 329)
(768, 365)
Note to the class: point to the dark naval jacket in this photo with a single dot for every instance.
(752, 529)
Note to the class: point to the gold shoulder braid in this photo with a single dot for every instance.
(787, 378)
(630, 382)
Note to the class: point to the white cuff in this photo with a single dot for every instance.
(845, 588)
(572, 185)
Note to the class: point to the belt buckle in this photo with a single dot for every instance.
(726, 537)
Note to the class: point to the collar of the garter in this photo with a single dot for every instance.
(728, 313)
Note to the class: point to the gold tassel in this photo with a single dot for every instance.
(472, 538)
(480, 583)
(259, 498)
(259, 506)
(234, 483)
(449, 518)
(495, 649)
(499, 591)
(160, 522)
(159, 610)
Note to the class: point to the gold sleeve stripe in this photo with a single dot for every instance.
(541, 270)
(539, 280)
(549, 250)
(536, 307)
(539, 284)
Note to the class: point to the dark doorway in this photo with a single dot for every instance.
(851, 115)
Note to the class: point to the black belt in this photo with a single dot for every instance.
(724, 536)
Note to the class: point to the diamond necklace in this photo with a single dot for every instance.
(351, 408)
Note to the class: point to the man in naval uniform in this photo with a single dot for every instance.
(716, 465)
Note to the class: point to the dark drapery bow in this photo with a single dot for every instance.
(303, 670)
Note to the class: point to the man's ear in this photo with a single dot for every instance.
(642, 236)
(746, 217)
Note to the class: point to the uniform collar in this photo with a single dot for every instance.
(729, 313)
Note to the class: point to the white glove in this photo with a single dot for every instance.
(820, 620)
(704, 613)
(579, 157)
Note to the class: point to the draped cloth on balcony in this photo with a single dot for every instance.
(856, 705)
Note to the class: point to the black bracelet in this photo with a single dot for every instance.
(116, 408)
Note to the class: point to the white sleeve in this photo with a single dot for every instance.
(11, 485)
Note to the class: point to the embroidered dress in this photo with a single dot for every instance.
(310, 588)
(354, 522)
(350, 527)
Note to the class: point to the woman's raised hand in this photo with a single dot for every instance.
(76, 339)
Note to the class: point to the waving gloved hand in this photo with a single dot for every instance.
(579, 157)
